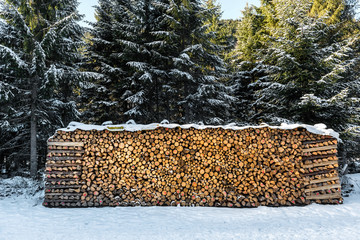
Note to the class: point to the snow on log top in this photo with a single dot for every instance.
(320, 129)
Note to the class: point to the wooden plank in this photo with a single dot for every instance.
(323, 188)
(63, 158)
(319, 141)
(320, 164)
(66, 144)
(62, 205)
(324, 180)
(66, 151)
(318, 157)
(63, 165)
(63, 173)
(62, 186)
(324, 196)
(320, 172)
(63, 194)
(317, 153)
(62, 179)
(58, 183)
(62, 201)
(320, 148)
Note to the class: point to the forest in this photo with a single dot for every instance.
(149, 60)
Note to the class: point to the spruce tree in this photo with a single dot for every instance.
(245, 65)
(99, 102)
(309, 69)
(143, 39)
(160, 62)
(195, 70)
(222, 31)
(133, 65)
(39, 44)
(332, 10)
(298, 58)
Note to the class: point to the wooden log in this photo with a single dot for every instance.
(320, 172)
(62, 186)
(325, 187)
(335, 163)
(330, 139)
(63, 158)
(67, 144)
(63, 165)
(320, 148)
(323, 180)
(63, 194)
(64, 180)
(324, 196)
(304, 158)
(60, 201)
(65, 151)
(210, 167)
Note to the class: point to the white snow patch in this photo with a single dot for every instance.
(23, 218)
(18, 186)
(317, 128)
(107, 123)
(131, 122)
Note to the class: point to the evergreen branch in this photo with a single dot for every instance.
(7, 54)
(11, 14)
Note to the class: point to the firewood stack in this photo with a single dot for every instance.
(191, 167)
(63, 171)
(320, 169)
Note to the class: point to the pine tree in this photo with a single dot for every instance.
(339, 12)
(249, 33)
(195, 71)
(332, 10)
(229, 29)
(133, 65)
(99, 97)
(163, 61)
(39, 43)
(222, 31)
(245, 65)
(310, 70)
(145, 54)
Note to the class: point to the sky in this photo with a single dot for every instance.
(231, 8)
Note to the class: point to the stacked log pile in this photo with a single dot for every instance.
(191, 167)
(321, 169)
(63, 171)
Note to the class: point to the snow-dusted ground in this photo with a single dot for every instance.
(25, 218)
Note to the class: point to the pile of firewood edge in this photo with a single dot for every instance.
(191, 167)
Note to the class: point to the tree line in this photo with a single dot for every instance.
(149, 60)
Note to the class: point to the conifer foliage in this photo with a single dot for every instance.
(148, 60)
(160, 62)
(39, 43)
(302, 64)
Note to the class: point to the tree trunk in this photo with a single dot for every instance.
(33, 133)
(187, 107)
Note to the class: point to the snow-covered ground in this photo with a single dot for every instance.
(25, 218)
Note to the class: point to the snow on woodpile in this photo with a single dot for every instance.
(191, 165)
(320, 128)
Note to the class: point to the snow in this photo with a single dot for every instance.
(317, 128)
(24, 218)
(7, 52)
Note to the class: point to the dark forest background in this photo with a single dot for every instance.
(149, 60)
